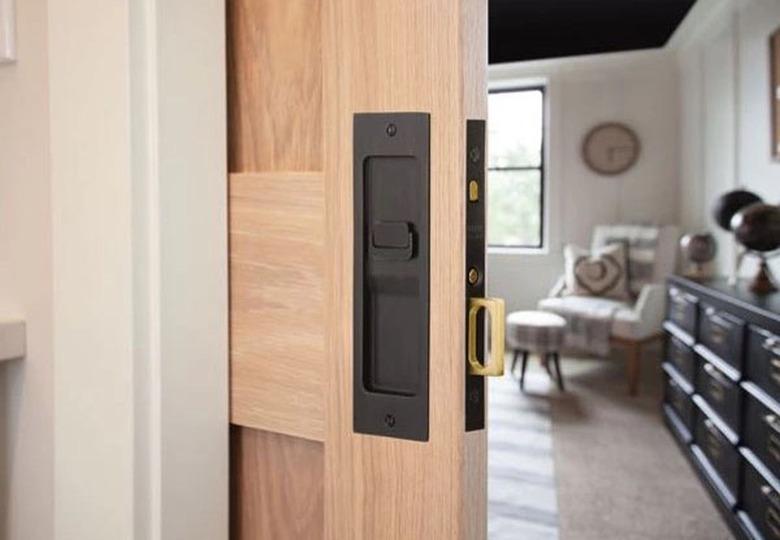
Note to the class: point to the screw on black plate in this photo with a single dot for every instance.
(389, 420)
(474, 154)
(391, 130)
(474, 396)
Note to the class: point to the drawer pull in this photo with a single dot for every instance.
(678, 313)
(713, 372)
(719, 327)
(717, 333)
(773, 422)
(770, 344)
(712, 440)
(773, 446)
(717, 383)
(771, 495)
(713, 446)
(710, 425)
(679, 355)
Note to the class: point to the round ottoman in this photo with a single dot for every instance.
(538, 332)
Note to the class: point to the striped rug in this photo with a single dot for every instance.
(521, 477)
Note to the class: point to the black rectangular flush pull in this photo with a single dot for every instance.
(391, 274)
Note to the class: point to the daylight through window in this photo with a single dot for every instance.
(516, 168)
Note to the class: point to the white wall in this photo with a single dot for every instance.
(26, 387)
(638, 88)
(113, 247)
(723, 59)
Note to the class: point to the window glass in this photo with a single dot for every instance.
(516, 168)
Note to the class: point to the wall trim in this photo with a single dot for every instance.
(179, 162)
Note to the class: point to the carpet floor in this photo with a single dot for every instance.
(617, 472)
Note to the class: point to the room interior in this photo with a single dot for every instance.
(633, 120)
(692, 83)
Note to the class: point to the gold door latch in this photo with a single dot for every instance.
(495, 308)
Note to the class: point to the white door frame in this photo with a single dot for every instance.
(140, 303)
(179, 121)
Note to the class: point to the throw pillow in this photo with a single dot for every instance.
(602, 272)
(642, 244)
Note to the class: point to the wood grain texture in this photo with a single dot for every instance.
(276, 486)
(274, 85)
(277, 323)
(400, 56)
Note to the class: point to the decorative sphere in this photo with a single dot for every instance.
(729, 204)
(699, 248)
(757, 227)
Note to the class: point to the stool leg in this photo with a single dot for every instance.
(557, 360)
(514, 361)
(544, 358)
(522, 369)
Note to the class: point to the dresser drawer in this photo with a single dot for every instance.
(679, 400)
(720, 393)
(723, 334)
(763, 366)
(682, 308)
(761, 502)
(762, 433)
(681, 356)
(723, 457)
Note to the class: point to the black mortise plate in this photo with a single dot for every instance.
(391, 274)
(474, 190)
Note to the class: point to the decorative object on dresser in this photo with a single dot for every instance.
(596, 324)
(611, 148)
(723, 212)
(698, 249)
(722, 396)
(757, 227)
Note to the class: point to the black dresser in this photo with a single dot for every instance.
(722, 396)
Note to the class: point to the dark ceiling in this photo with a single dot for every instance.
(536, 29)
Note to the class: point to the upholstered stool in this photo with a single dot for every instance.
(539, 332)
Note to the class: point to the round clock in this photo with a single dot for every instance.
(611, 148)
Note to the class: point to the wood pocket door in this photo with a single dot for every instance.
(298, 72)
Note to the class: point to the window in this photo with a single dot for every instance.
(516, 168)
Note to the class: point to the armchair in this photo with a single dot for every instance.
(634, 324)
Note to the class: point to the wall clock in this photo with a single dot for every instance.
(611, 148)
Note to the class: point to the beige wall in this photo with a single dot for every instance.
(638, 88)
(26, 398)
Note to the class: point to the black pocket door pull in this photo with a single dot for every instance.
(391, 303)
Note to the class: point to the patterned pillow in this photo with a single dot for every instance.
(602, 272)
(642, 244)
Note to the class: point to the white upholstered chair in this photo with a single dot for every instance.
(636, 323)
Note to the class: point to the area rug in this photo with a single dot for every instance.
(521, 482)
(619, 473)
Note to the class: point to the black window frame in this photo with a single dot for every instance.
(541, 168)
